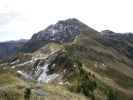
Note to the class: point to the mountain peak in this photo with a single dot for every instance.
(107, 32)
(70, 20)
(62, 31)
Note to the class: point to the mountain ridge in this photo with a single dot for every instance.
(96, 64)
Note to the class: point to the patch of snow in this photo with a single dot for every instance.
(74, 65)
(103, 64)
(20, 72)
(53, 39)
(64, 71)
(44, 77)
(26, 76)
(13, 67)
(61, 83)
(14, 62)
(54, 31)
(24, 63)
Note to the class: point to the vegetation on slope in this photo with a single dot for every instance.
(12, 88)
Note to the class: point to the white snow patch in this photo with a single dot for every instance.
(103, 65)
(26, 76)
(64, 71)
(46, 78)
(61, 83)
(13, 67)
(14, 62)
(54, 31)
(20, 72)
(74, 66)
(24, 63)
(53, 39)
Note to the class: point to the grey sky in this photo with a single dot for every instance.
(22, 18)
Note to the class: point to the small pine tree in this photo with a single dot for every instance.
(27, 93)
(111, 95)
(88, 87)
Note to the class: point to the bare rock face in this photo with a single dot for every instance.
(63, 31)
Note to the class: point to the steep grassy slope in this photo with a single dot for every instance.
(105, 61)
(12, 88)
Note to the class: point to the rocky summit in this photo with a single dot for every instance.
(62, 32)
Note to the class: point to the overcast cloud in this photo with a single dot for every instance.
(22, 18)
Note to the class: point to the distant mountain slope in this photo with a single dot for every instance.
(11, 47)
(121, 42)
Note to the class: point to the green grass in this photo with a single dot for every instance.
(118, 77)
(9, 79)
(12, 88)
(62, 93)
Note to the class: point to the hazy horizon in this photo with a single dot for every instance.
(20, 19)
